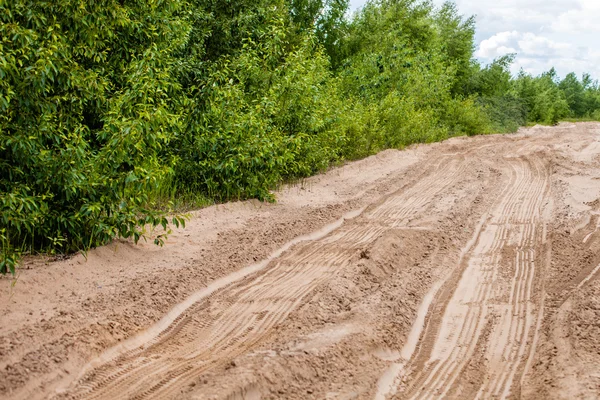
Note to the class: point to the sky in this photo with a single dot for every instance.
(543, 33)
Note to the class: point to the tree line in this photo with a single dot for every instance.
(114, 112)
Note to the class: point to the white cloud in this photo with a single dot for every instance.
(497, 45)
(524, 44)
(533, 45)
(583, 19)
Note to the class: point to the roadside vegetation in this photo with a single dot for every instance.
(113, 113)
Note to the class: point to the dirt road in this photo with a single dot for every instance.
(464, 269)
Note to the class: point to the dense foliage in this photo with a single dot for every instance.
(109, 108)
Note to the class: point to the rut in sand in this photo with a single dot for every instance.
(490, 319)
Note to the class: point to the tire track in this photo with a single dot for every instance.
(228, 322)
(522, 318)
(480, 296)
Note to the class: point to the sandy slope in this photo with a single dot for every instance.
(466, 269)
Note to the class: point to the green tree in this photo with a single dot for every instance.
(574, 95)
(457, 36)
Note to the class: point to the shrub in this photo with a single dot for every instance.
(112, 111)
(87, 101)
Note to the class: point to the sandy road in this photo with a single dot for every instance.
(466, 269)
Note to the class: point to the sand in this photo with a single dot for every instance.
(463, 269)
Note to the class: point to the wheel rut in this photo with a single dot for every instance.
(494, 305)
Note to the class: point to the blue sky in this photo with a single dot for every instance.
(543, 33)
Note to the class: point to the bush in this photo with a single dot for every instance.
(506, 113)
(112, 111)
(88, 101)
